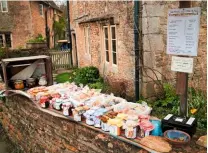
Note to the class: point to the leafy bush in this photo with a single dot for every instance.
(86, 75)
(170, 104)
(37, 39)
(170, 100)
(198, 107)
(2, 52)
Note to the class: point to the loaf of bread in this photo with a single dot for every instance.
(156, 143)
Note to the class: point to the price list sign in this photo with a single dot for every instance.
(182, 31)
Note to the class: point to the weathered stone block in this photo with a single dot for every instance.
(149, 59)
(153, 42)
(153, 10)
(150, 25)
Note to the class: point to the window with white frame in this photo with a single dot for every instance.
(113, 44)
(87, 39)
(5, 40)
(106, 43)
(41, 9)
(110, 44)
(4, 6)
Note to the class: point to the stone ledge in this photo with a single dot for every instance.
(42, 130)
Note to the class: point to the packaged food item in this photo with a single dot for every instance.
(104, 126)
(145, 128)
(76, 115)
(42, 81)
(18, 84)
(44, 102)
(66, 106)
(131, 132)
(130, 126)
(114, 130)
(115, 126)
(58, 104)
(31, 82)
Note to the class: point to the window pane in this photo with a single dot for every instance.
(106, 44)
(8, 40)
(41, 9)
(107, 56)
(114, 45)
(4, 5)
(106, 32)
(113, 32)
(114, 58)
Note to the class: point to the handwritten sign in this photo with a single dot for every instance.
(182, 31)
(182, 64)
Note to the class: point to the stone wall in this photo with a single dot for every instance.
(156, 63)
(39, 132)
(122, 12)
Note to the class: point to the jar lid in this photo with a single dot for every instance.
(18, 81)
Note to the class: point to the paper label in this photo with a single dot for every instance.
(183, 31)
(66, 112)
(190, 121)
(179, 119)
(168, 116)
(182, 64)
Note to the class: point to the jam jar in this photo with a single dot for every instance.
(30, 82)
(42, 81)
(18, 84)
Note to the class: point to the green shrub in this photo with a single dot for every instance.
(37, 39)
(2, 52)
(170, 98)
(86, 75)
(170, 104)
(198, 107)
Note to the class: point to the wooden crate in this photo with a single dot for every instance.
(22, 62)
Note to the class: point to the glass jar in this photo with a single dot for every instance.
(30, 82)
(42, 81)
(18, 84)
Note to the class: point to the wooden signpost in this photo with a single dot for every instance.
(182, 40)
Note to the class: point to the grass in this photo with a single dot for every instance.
(63, 77)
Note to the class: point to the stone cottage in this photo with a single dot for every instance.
(24, 20)
(103, 35)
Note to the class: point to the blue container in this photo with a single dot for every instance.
(157, 131)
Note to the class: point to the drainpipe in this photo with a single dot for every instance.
(136, 48)
(47, 30)
(69, 31)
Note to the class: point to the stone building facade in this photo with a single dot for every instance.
(89, 20)
(157, 64)
(104, 38)
(24, 20)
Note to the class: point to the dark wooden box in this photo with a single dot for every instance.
(12, 66)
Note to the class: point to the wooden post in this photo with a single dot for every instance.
(182, 78)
